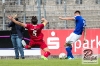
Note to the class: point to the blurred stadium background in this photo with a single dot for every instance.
(50, 9)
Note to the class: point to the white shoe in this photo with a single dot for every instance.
(70, 58)
(23, 43)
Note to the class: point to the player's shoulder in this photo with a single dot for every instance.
(78, 16)
(40, 24)
(29, 25)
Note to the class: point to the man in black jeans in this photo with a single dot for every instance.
(16, 38)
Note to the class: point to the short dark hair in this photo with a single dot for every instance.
(16, 19)
(77, 12)
(34, 20)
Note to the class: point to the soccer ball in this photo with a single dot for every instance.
(62, 56)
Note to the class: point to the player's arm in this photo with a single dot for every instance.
(44, 21)
(84, 34)
(67, 18)
(16, 22)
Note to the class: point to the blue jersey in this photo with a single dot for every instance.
(80, 24)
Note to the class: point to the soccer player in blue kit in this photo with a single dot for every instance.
(76, 34)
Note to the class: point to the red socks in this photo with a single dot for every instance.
(27, 47)
(46, 54)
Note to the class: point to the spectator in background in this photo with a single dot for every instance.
(16, 38)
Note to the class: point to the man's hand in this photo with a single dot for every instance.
(60, 17)
(14, 15)
(10, 17)
(84, 41)
(43, 19)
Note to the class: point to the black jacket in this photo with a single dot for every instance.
(20, 30)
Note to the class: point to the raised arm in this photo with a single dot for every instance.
(44, 21)
(67, 18)
(16, 22)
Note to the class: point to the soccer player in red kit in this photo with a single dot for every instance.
(36, 36)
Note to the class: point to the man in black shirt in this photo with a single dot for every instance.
(16, 38)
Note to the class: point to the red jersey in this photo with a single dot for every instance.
(35, 31)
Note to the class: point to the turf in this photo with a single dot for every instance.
(50, 62)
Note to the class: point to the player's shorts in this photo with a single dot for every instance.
(72, 38)
(41, 44)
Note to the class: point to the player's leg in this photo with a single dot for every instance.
(68, 46)
(46, 52)
(73, 38)
(69, 50)
(27, 46)
(44, 47)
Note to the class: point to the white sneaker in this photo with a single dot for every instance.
(70, 58)
(23, 43)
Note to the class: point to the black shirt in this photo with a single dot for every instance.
(13, 30)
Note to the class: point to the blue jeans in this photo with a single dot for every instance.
(16, 41)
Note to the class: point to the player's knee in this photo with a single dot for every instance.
(69, 43)
(65, 44)
(46, 49)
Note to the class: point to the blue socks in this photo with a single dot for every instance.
(69, 52)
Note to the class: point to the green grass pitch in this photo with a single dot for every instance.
(40, 62)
